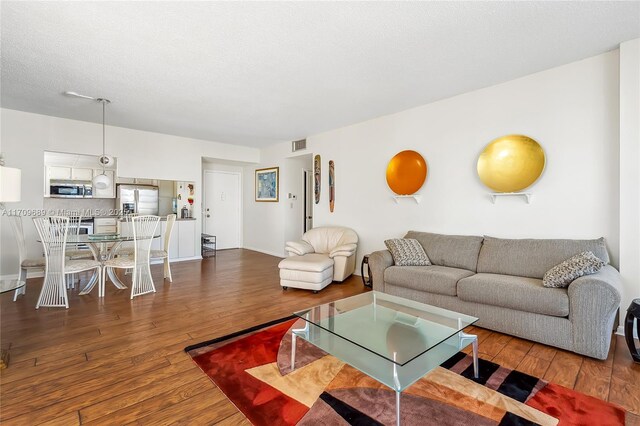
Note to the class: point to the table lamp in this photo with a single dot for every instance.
(9, 184)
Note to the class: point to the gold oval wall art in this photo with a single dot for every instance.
(511, 163)
(406, 172)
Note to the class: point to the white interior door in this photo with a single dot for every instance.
(222, 208)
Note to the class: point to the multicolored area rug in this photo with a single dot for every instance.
(253, 369)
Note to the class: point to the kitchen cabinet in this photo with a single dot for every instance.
(81, 174)
(186, 238)
(109, 192)
(69, 173)
(104, 225)
(141, 181)
(138, 181)
(59, 173)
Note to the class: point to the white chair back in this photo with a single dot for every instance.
(74, 225)
(53, 234)
(171, 219)
(144, 229)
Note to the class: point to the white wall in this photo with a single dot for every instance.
(267, 226)
(572, 111)
(630, 170)
(24, 137)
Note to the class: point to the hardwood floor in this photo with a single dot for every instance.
(118, 361)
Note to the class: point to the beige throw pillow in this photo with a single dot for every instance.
(407, 252)
(563, 274)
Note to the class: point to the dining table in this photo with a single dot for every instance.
(103, 247)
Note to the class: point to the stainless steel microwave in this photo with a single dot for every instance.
(70, 189)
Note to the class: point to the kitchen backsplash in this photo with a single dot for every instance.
(87, 207)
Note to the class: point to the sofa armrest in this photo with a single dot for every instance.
(345, 250)
(378, 262)
(593, 303)
(298, 248)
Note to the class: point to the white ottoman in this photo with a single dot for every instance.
(310, 272)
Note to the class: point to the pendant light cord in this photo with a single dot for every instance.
(103, 136)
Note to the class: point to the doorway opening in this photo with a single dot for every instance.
(307, 184)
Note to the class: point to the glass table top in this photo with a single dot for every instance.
(394, 328)
(98, 238)
(10, 285)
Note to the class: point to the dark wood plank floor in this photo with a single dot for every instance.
(117, 361)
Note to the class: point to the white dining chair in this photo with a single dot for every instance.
(74, 229)
(158, 254)
(53, 234)
(75, 253)
(144, 229)
(25, 263)
(164, 254)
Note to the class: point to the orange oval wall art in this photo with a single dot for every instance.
(406, 172)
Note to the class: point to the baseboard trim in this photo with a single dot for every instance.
(271, 253)
(184, 259)
(620, 332)
(30, 274)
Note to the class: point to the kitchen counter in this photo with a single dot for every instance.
(162, 218)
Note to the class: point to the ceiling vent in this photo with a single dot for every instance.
(298, 145)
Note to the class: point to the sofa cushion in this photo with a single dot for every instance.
(325, 238)
(561, 275)
(456, 251)
(432, 279)
(407, 252)
(530, 257)
(311, 262)
(519, 293)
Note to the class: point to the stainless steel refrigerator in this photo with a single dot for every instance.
(141, 199)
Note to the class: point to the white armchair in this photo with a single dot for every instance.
(323, 255)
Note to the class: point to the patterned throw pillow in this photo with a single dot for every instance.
(407, 252)
(561, 275)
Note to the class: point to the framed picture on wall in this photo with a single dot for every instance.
(267, 184)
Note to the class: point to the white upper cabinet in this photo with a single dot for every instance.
(81, 174)
(59, 173)
(109, 192)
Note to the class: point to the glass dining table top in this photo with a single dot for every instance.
(10, 285)
(99, 238)
(396, 329)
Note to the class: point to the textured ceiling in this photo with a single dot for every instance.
(255, 73)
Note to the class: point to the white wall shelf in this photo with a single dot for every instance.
(496, 195)
(416, 197)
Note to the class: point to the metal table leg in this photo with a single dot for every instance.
(304, 330)
(464, 341)
(95, 251)
(398, 408)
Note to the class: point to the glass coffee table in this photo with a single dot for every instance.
(395, 341)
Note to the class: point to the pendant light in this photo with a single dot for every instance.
(102, 181)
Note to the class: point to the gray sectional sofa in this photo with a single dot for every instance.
(500, 282)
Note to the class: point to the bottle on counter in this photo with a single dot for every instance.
(184, 212)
